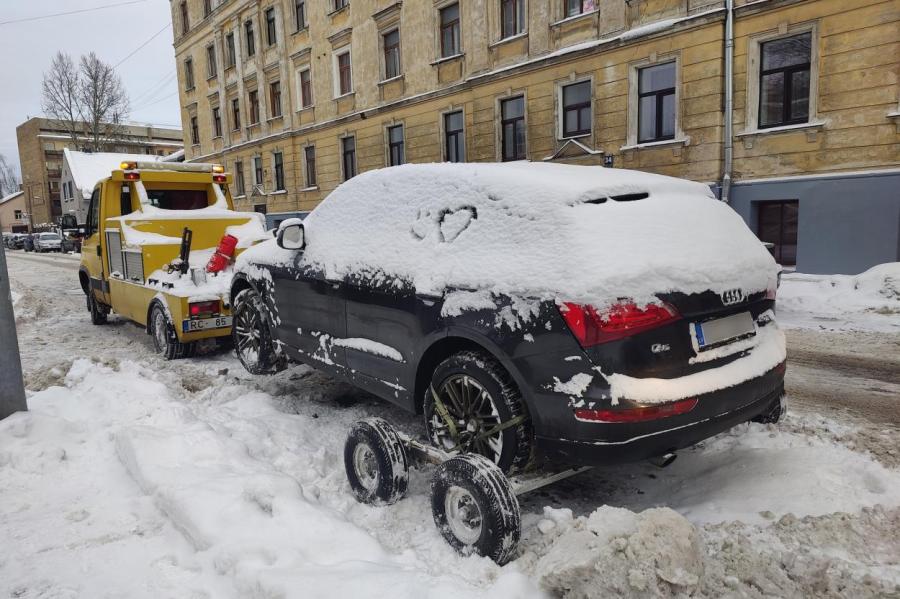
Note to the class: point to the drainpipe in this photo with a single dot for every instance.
(729, 99)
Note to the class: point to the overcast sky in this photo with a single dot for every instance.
(112, 33)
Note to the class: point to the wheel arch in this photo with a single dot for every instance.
(84, 278)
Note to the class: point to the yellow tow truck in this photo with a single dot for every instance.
(158, 249)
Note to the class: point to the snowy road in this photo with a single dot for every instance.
(137, 477)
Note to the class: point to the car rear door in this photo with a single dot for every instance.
(311, 312)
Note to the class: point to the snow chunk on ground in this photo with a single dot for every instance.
(866, 302)
(514, 228)
(370, 347)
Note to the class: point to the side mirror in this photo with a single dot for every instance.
(292, 236)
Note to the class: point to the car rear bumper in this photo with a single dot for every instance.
(595, 444)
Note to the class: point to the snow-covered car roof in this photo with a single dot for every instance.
(578, 233)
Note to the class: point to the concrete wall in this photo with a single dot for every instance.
(846, 224)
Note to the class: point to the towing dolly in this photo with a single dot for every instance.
(474, 504)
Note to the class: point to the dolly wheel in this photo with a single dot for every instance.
(474, 507)
(376, 462)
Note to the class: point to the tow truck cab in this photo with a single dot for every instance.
(131, 262)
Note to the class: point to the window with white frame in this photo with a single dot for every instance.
(454, 137)
(278, 167)
(300, 14)
(258, 171)
(450, 30)
(348, 157)
(512, 18)
(343, 72)
(211, 66)
(579, 7)
(656, 103)
(390, 43)
(512, 129)
(304, 86)
(396, 150)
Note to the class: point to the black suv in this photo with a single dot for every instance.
(511, 350)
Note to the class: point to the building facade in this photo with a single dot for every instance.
(41, 143)
(296, 96)
(12, 213)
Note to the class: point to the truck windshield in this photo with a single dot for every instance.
(178, 199)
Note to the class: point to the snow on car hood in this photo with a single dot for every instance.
(542, 230)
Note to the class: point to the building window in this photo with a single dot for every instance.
(275, 98)
(345, 75)
(261, 208)
(579, 7)
(254, 107)
(512, 128)
(391, 43)
(17, 214)
(236, 114)
(189, 74)
(251, 42)
(239, 178)
(395, 145)
(454, 140)
(257, 171)
(512, 18)
(278, 160)
(784, 81)
(185, 22)
(309, 155)
(300, 14)
(230, 54)
(348, 157)
(450, 31)
(211, 66)
(306, 99)
(271, 35)
(217, 121)
(576, 113)
(207, 8)
(777, 224)
(339, 4)
(195, 131)
(656, 103)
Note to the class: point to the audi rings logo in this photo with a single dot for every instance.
(732, 297)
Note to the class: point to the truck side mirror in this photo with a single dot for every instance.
(292, 236)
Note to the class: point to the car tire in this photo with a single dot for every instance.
(98, 311)
(164, 337)
(376, 462)
(774, 413)
(251, 335)
(475, 508)
(516, 445)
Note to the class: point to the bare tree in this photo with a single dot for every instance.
(9, 180)
(103, 101)
(60, 95)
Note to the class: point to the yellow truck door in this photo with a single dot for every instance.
(91, 250)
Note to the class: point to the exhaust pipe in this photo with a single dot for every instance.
(661, 461)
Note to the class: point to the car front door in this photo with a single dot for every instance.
(91, 250)
(311, 314)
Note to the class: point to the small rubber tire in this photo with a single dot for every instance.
(250, 311)
(774, 413)
(477, 481)
(98, 311)
(517, 451)
(164, 337)
(373, 444)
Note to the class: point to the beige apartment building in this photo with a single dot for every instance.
(296, 96)
(41, 142)
(12, 213)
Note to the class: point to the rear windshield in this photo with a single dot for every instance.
(178, 199)
(49, 236)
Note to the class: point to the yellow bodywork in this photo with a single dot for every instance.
(155, 235)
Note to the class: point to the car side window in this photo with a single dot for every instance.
(94, 213)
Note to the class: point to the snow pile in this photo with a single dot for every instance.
(868, 301)
(545, 231)
(88, 168)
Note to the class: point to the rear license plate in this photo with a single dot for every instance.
(205, 324)
(721, 330)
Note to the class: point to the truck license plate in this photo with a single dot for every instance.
(721, 330)
(205, 324)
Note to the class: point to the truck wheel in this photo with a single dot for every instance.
(376, 462)
(478, 395)
(164, 338)
(474, 507)
(98, 311)
(252, 335)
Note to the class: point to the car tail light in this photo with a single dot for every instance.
(593, 327)
(218, 178)
(640, 414)
(201, 309)
(132, 176)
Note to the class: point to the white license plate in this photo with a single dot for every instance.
(205, 324)
(721, 330)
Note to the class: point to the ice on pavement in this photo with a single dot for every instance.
(117, 484)
(866, 302)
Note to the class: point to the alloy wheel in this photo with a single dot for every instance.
(471, 409)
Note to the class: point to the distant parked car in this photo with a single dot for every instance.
(47, 242)
(16, 241)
